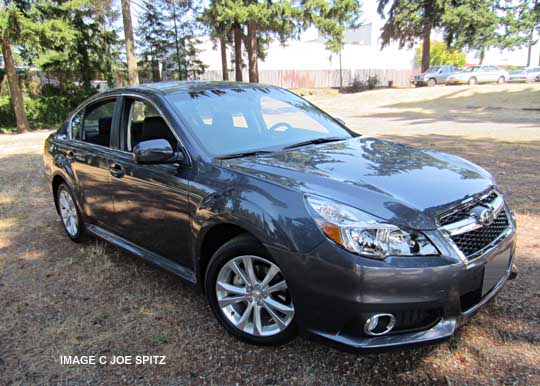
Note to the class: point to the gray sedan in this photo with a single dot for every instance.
(529, 74)
(435, 75)
(478, 74)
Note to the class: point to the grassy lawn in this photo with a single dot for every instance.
(61, 298)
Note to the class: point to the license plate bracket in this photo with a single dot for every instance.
(495, 270)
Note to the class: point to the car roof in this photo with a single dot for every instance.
(175, 86)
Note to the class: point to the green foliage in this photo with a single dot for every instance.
(406, 21)
(168, 32)
(45, 111)
(440, 54)
(358, 85)
(332, 18)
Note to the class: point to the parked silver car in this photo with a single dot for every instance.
(527, 74)
(478, 74)
(435, 75)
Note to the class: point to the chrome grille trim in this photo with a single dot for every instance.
(482, 236)
(471, 223)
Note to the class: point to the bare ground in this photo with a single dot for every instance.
(61, 298)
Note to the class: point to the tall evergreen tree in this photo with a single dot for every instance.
(408, 21)
(168, 37)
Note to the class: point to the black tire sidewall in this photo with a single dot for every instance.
(80, 224)
(239, 246)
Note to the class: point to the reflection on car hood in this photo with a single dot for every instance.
(399, 183)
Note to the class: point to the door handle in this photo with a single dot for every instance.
(116, 170)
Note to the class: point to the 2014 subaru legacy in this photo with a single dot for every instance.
(288, 221)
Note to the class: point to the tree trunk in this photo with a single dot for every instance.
(482, 55)
(530, 46)
(14, 90)
(252, 52)
(426, 46)
(181, 74)
(133, 74)
(238, 52)
(223, 47)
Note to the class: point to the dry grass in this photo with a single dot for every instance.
(61, 298)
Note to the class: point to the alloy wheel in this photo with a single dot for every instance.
(68, 212)
(254, 297)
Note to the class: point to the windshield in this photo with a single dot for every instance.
(433, 70)
(241, 120)
(471, 69)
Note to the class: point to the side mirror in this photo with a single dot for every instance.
(154, 151)
(341, 122)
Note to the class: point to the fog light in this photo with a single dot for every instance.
(379, 324)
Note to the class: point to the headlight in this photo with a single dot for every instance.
(365, 235)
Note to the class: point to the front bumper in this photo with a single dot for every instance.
(335, 292)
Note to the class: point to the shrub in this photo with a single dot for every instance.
(440, 54)
(358, 85)
(43, 111)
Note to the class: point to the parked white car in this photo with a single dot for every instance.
(527, 74)
(478, 74)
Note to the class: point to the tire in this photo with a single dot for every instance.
(500, 80)
(431, 82)
(227, 270)
(69, 213)
(472, 81)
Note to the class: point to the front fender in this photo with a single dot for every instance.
(278, 219)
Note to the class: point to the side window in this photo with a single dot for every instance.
(145, 123)
(97, 123)
(76, 125)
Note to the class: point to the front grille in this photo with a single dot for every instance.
(472, 242)
(462, 211)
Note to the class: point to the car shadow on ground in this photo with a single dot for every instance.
(62, 298)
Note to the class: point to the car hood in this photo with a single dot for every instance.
(402, 184)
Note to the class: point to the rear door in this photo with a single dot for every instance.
(91, 131)
(151, 202)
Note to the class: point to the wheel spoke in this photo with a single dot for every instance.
(280, 323)
(283, 308)
(235, 267)
(248, 265)
(257, 322)
(63, 201)
(246, 316)
(281, 286)
(231, 288)
(231, 300)
(272, 272)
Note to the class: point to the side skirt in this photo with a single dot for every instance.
(151, 257)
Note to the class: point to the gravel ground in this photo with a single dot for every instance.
(61, 298)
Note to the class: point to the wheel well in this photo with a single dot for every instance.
(57, 180)
(213, 240)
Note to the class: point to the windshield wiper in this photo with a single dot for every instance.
(315, 141)
(244, 154)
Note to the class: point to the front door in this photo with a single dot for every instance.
(151, 202)
(89, 157)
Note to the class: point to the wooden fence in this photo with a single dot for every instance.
(320, 78)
